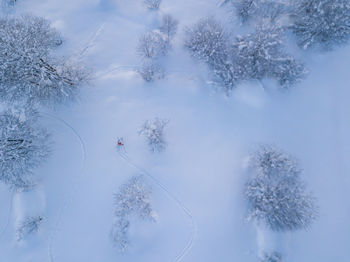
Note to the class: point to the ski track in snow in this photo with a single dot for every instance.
(184, 209)
(127, 159)
(190, 243)
(91, 43)
(116, 68)
(70, 195)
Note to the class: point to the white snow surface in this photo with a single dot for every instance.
(209, 136)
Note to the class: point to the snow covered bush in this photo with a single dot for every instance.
(24, 145)
(132, 199)
(321, 22)
(28, 70)
(152, 4)
(168, 26)
(153, 131)
(208, 41)
(271, 257)
(29, 226)
(261, 55)
(276, 195)
(151, 70)
(152, 45)
(8, 3)
(7, 6)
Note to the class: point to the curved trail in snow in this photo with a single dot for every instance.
(130, 68)
(91, 43)
(3, 230)
(116, 68)
(184, 209)
(70, 195)
(190, 243)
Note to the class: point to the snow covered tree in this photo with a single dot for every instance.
(261, 55)
(24, 145)
(247, 10)
(254, 56)
(208, 41)
(28, 70)
(29, 226)
(169, 26)
(133, 198)
(152, 46)
(119, 234)
(321, 22)
(153, 130)
(152, 4)
(276, 195)
(271, 257)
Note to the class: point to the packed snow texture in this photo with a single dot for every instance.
(68, 213)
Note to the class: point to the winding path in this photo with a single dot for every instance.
(129, 161)
(70, 195)
(91, 43)
(125, 157)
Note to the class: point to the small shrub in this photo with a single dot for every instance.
(152, 4)
(153, 131)
(151, 71)
(29, 226)
(271, 257)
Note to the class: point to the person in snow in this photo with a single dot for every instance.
(120, 144)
